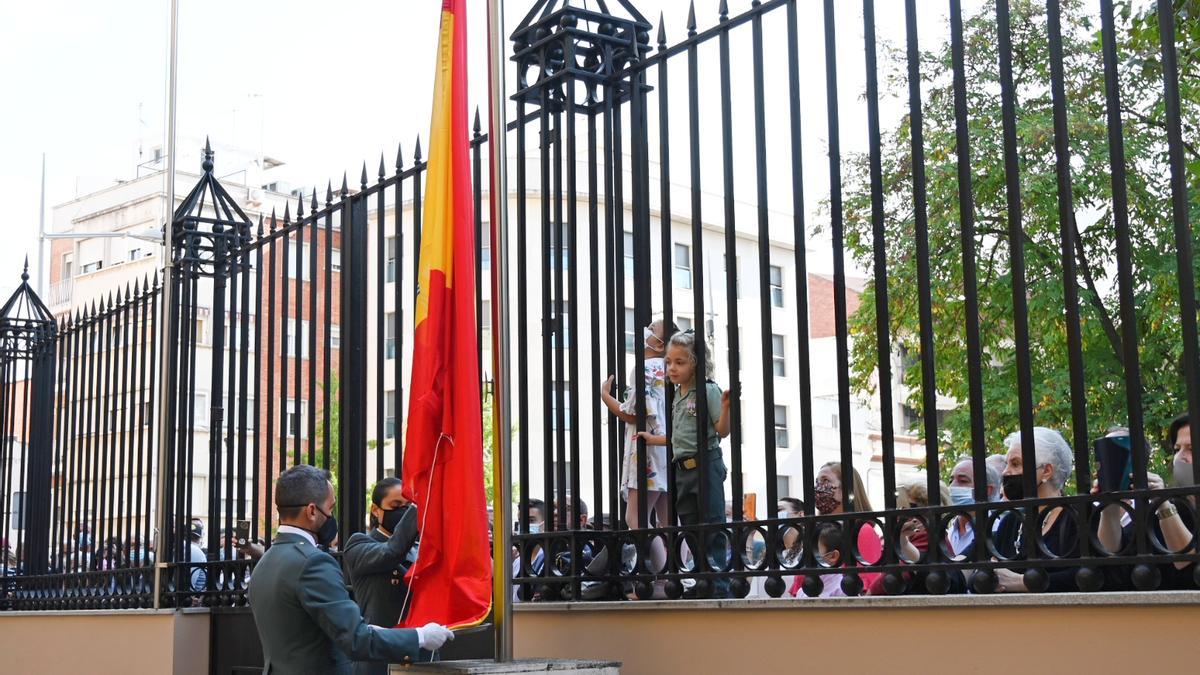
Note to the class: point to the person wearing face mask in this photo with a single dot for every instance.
(960, 535)
(1171, 523)
(828, 498)
(535, 512)
(1059, 531)
(829, 554)
(306, 621)
(654, 374)
(915, 539)
(376, 562)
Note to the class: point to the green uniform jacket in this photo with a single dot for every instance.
(306, 619)
(375, 567)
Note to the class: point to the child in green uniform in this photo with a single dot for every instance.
(687, 442)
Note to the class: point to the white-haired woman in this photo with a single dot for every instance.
(1053, 463)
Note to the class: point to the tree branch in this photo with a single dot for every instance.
(1093, 295)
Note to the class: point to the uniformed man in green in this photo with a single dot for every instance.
(305, 618)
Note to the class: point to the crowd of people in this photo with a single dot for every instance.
(676, 368)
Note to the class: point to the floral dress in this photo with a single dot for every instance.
(656, 415)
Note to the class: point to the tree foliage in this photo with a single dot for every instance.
(1155, 272)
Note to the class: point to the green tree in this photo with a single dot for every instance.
(335, 422)
(1155, 273)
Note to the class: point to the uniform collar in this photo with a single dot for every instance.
(289, 529)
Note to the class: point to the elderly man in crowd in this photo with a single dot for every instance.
(961, 534)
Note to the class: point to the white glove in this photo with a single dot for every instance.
(432, 636)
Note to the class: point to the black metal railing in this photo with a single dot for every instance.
(290, 338)
(948, 251)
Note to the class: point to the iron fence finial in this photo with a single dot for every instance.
(399, 157)
(207, 160)
(477, 126)
(662, 32)
(723, 10)
(287, 213)
(25, 272)
(345, 188)
(363, 179)
(417, 154)
(300, 205)
(382, 166)
(691, 22)
(328, 192)
(313, 203)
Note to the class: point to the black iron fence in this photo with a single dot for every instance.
(290, 339)
(81, 418)
(962, 265)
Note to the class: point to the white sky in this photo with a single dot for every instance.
(324, 86)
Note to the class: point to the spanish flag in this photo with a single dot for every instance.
(451, 581)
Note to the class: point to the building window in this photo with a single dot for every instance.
(777, 356)
(391, 260)
(485, 253)
(781, 427)
(485, 315)
(92, 267)
(18, 512)
(294, 261)
(295, 419)
(335, 260)
(200, 414)
(251, 414)
(627, 253)
(776, 274)
(335, 337)
(290, 338)
(683, 323)
(783, 486)
(234, 340)
(68, 266)
(564, 388)
(683, 266)
(562, 261)
(389, 415)
(630, 331)
(561, 326)
(389, 344)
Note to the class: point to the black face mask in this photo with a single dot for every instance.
(328, 530)
(392, 518)
(1014, 487)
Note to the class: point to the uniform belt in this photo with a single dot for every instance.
(688, 463)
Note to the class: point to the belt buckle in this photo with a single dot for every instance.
(689, 463)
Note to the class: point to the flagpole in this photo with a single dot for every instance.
(168, 289)
(502, 409)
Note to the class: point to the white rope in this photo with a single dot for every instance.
(424, 515)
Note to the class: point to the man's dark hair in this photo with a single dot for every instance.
(538, 505)
(1176, 424)
(796, 504)
(298, 487)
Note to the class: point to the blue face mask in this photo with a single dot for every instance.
(535, 528)
(962, 495)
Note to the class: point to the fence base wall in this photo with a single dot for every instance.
(1064, 633)
(103, 642)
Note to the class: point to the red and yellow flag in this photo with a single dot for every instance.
(451, 581)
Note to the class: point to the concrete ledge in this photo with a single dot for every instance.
(1120, 599)
(1059, 633)
(100, 642)
(518, 667)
